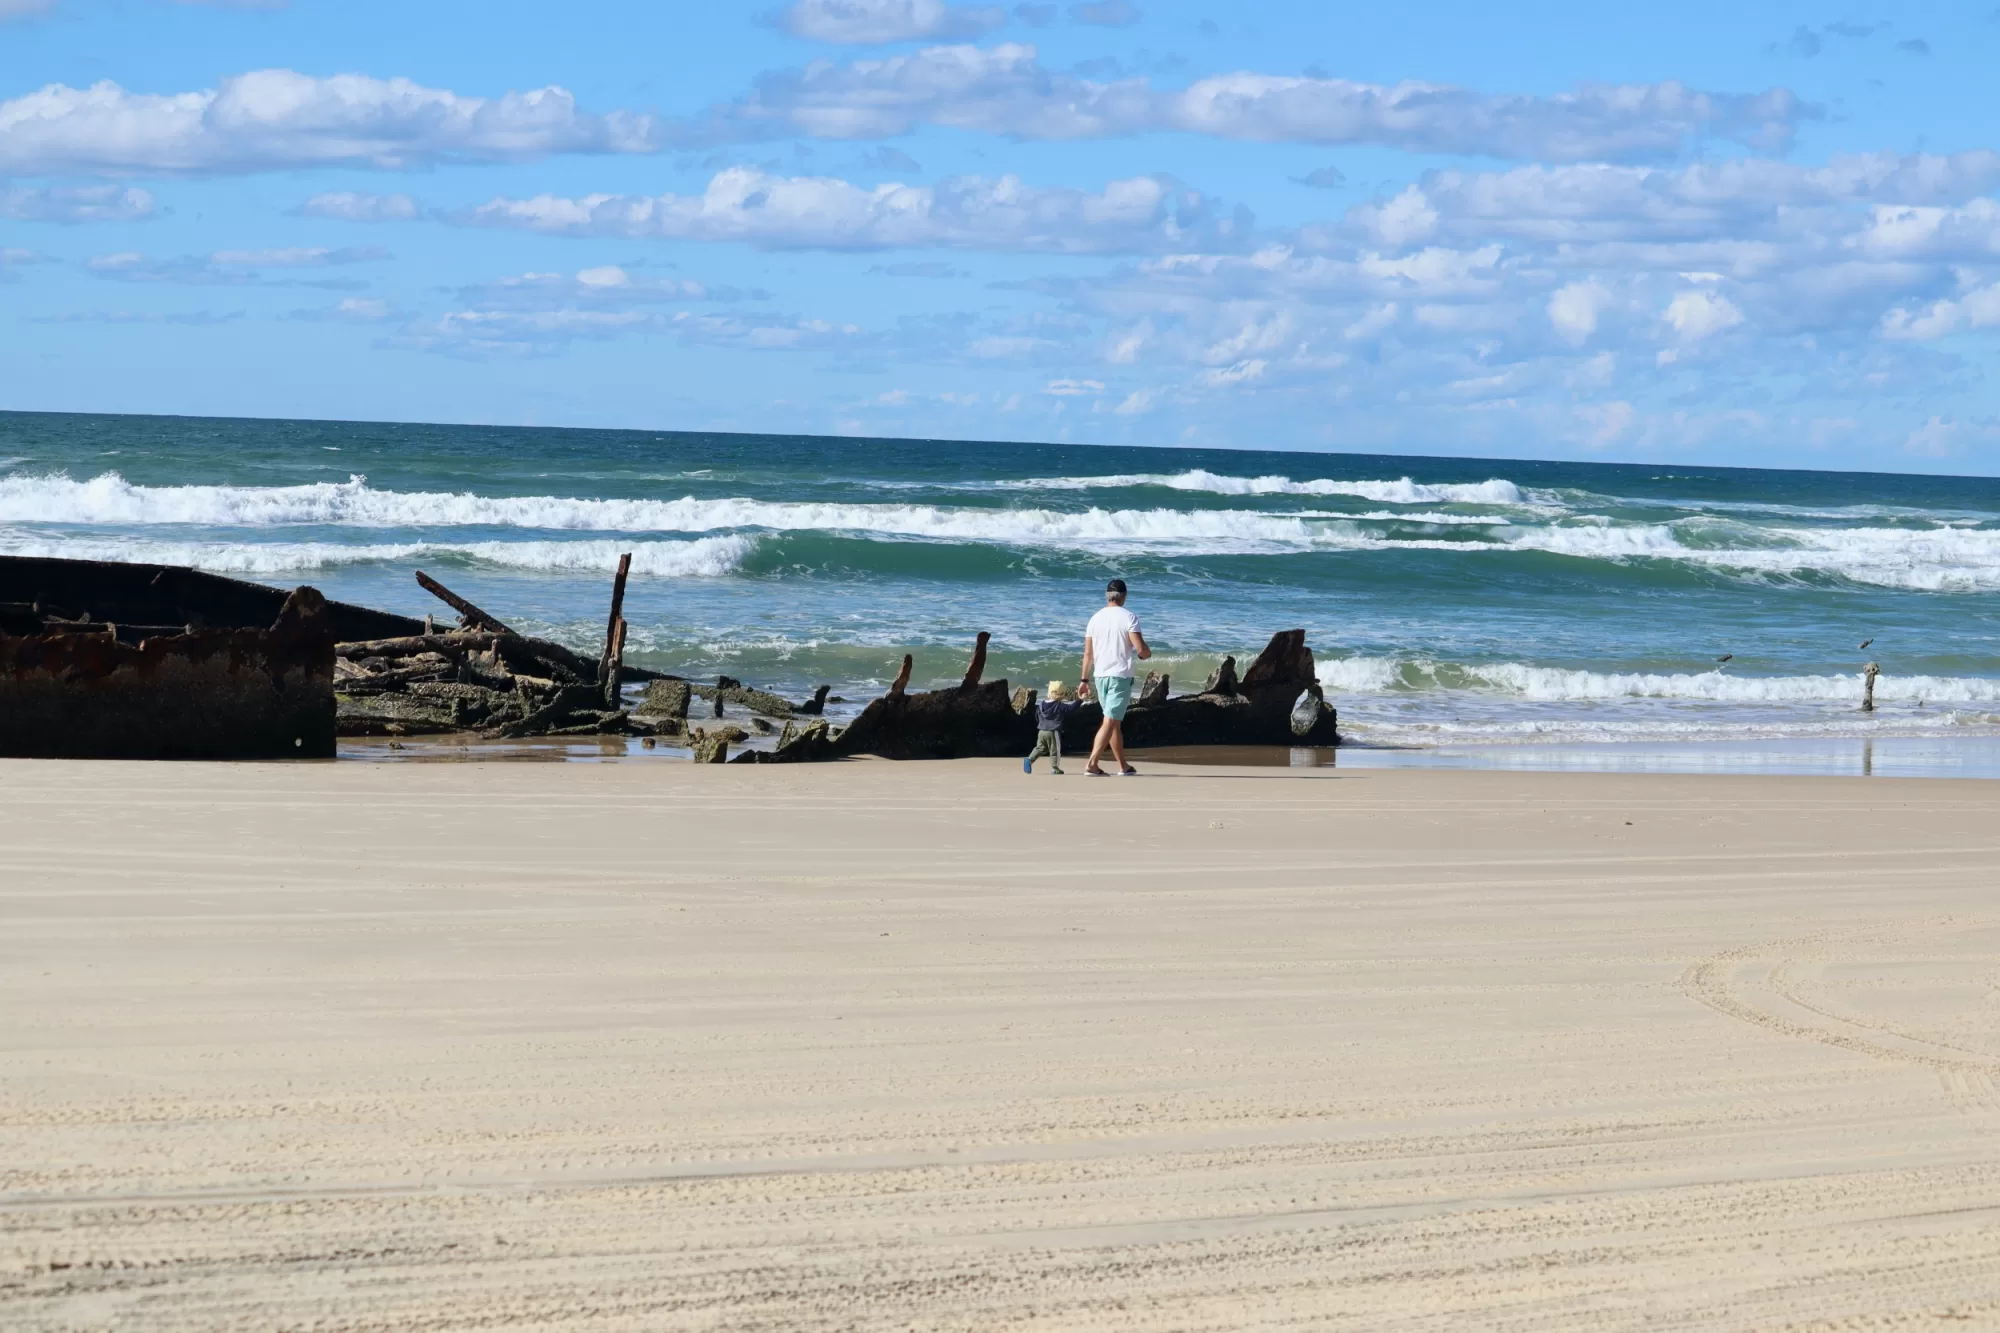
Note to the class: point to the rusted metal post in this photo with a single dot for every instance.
(978, 667)
(617, 665)
(605, 675)
(1868, 674)
(471, 617)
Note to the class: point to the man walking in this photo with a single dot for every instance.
(1111, 642)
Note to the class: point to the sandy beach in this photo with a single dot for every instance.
(537, 1046)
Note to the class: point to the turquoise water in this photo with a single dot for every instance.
(1450, 601)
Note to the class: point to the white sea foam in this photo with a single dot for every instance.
(1600, 730)
(111, 500)
(1495, 491)
(1937, 559)
(1376, 675)
(1420, 516)
(706, 557)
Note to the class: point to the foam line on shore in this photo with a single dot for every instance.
(1378, 675)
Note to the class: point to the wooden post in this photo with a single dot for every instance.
(470, 616)
(617, 665)
(605, 675)
(978, 667)
(902, 681)
(1868, 674)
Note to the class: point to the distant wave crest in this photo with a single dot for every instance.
(1402, 491)
(707, 557)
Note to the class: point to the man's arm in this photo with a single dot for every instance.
(1139, 645)
(1088, 657)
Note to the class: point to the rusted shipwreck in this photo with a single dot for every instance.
(1277, 701)
(106, 660)
(117, 661)
(101, 659)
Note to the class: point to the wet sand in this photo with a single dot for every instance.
(660, 1046)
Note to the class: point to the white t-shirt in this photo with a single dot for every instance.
(1110, 632)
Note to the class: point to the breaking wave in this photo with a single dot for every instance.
(1945, 558)
(1376, 675)
(706, 557)
(1403, 491)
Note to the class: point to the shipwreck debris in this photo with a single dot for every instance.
(469, 616)
(1277, 701)
(189, 693)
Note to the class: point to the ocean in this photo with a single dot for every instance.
(1451, 603)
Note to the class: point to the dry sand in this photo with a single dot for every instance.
(938, 1046)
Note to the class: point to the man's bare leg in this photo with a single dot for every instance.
(1118, 745)
(1107, 734)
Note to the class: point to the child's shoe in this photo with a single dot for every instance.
(1055, 770)
(1028, 765)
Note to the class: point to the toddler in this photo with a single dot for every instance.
(1050, 714)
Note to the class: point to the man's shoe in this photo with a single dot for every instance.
(1027, 765)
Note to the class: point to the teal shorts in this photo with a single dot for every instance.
(1115, 694)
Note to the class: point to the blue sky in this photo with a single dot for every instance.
(1700, 232)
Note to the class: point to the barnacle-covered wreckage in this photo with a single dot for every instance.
(108, 660)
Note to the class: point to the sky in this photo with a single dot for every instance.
(1709, 233)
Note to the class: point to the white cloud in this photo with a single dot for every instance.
(1405, 219)
(12, 258)
(1125, 346)
(1977, 309)
(20, 9)
(868, 21)
(1607, 421)
(603, 285)
(1241, 373)
(486, 332)
(1698, 314)
(278, 119)
(349, 206)
(1946, 437)
(351, 310)
(233, 268)
(1574, 309)
(817, 212)
(1005, 90)
(1970, 231)
(76, 203)
(1600, 203)
(299, 256)
(1254, 335)
(1378, 320)
(1138, 403)
(1073, 388)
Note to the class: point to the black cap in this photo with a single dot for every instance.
(1117, 586)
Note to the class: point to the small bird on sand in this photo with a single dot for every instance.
(1864, 644)
(1725, 657)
